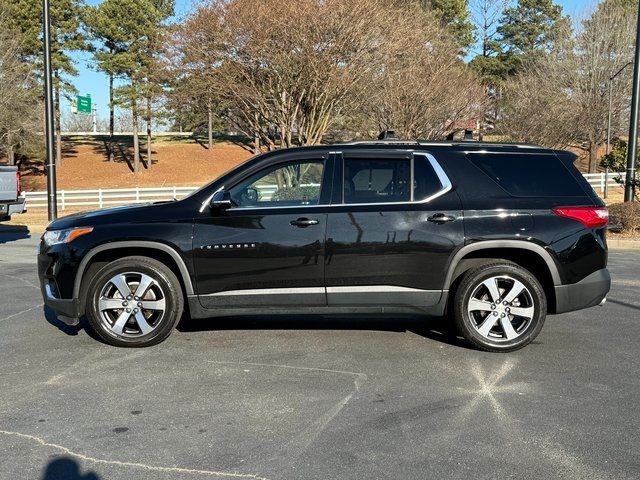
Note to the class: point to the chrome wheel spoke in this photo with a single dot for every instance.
(121, 321)
(131, 304)
(501, 308)
(514, 292)
(109, 304)
(142, 323)
(120, 282)
(526, 312)
(487, 325)
(153, 304)
(145, 282)
(492, 286)
(479, 305)
(509, 331)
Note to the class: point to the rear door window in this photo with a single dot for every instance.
(377, 180)
(389, 180)
(529, 175)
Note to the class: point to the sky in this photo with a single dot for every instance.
(90, 81)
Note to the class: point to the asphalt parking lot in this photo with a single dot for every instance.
(317, 398)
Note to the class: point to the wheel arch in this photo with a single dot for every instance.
(111, 251)
(528, 255)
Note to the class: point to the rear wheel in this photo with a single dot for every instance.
(134, 302)
(499, 307)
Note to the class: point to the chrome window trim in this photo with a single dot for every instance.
(442, 176)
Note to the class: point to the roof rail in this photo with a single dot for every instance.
(442, 143)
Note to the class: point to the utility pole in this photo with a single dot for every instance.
(52, 204)
(629, 187)
(608, 151)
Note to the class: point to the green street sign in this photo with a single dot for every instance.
(83, 104)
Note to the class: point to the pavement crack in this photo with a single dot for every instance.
(26, 282)
(143, 466)
(20, 313)
(301, 442)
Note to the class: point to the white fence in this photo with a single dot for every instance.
(598, 180)
(124, 196)
(107, 197)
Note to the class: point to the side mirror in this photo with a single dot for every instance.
(221, 201)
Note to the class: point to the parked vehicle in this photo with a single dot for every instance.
(493, 235)
(11, 199)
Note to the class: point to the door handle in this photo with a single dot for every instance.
(303, 222)
(441, 218)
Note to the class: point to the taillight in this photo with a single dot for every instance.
(18, 184)
(590, 217)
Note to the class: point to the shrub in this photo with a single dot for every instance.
(625, 217)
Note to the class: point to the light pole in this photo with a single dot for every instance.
(52, 204)
(608, 151)
(629, 184)
(611, 79)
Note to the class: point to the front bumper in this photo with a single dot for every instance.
(56, 274)
(62, 306)
(588, 292)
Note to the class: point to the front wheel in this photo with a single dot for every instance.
(134, 302)
(499, 307)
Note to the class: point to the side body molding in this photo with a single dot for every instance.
(515, 244)
(184, 272)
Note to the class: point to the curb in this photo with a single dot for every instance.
(623, 244)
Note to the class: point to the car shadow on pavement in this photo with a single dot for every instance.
(11, 233)
(65, 468)
(438, 329)
(53, 319)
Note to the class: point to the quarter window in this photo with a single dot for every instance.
(528, 175)
(290, 184)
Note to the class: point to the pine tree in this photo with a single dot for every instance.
(454, 15)
(130, 30)
(528, 29)
(67, 36)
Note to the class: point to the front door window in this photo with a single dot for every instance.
(283, 185)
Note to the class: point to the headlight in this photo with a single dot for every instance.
(54, 237)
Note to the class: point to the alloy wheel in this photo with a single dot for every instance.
(131, 304)
(501, 308)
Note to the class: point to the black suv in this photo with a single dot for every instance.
(494, 235)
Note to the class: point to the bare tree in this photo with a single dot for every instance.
(423, 88)
(562, 99)
(287, 78)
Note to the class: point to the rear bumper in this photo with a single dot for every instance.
(588, 292)
(8, 209)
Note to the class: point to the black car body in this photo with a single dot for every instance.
(386, 227)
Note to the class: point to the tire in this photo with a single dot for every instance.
(118, 317)
(484, 322)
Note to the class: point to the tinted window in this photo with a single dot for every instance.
(377, 181)
(529, 175)
(426, 181)
(290, 184)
